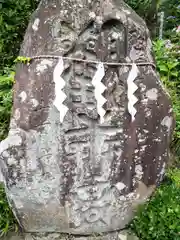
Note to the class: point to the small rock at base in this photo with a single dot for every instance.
(125, 235)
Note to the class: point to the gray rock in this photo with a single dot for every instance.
(124, 235)
(83, 176)
(1, 178)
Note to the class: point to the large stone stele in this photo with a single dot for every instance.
(84, 176)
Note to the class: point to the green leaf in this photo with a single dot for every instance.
(163, 68)
(175, 74)
(172, 65)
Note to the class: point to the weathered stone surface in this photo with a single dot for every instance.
(83, 177)
(124, 235)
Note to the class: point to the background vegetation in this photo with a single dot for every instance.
(160, 218)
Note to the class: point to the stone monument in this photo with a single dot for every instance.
(91, 124)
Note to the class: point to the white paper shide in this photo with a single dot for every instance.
(132, 87)
(99, 89)
(60, 96)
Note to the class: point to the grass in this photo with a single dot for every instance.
(160, 218)
(7, 220)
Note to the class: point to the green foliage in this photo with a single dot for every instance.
(139, 5)
(174, 174)
(172, 16)
(6, 82)
(168, 64)
(22, 59)
(7, 220)
(14, 17)
(148, 10)
(159, 219)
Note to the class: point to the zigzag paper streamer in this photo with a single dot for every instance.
(132, 99)
(60, 96)
(99, 89)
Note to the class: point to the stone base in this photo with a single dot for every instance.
(123, 235)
